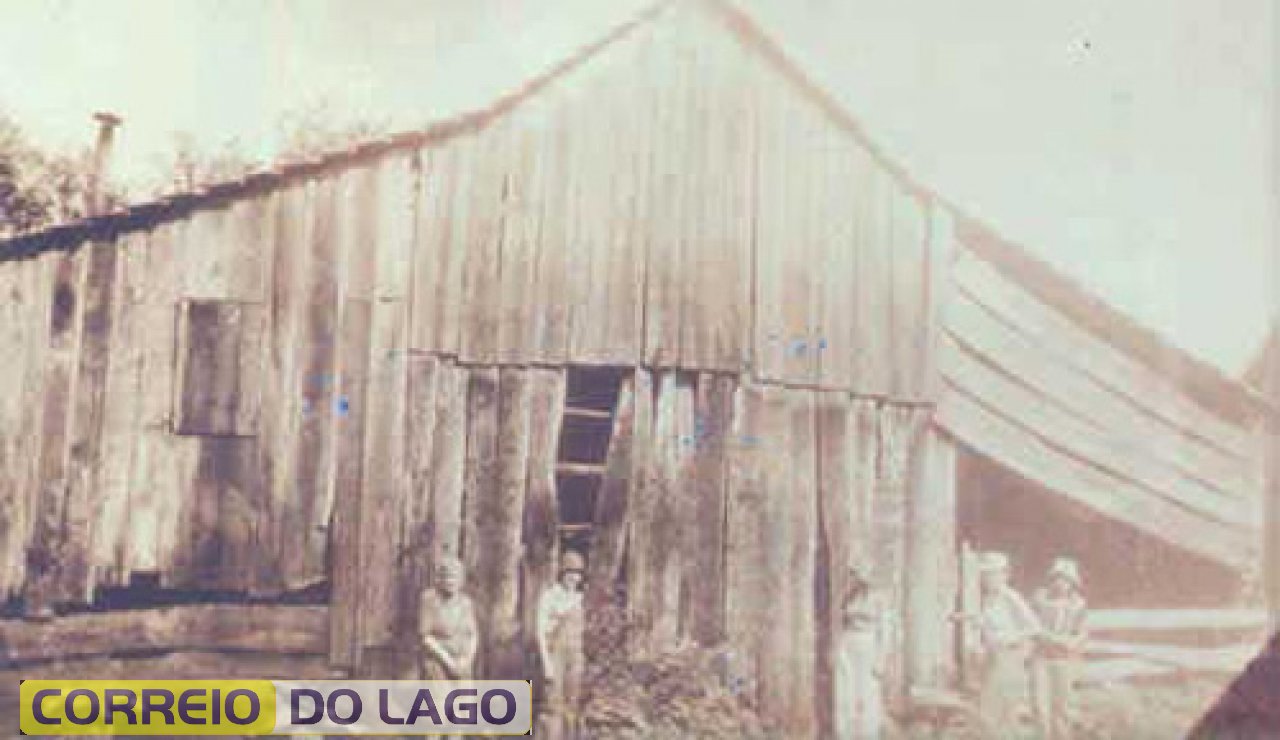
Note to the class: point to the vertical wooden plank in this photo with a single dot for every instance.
(732, 179)
(109, 507)
(397, 177)
(932, 561)
(784, 269)
(431, 247)
(482, 285)
(521, 213)
(156, 318)
(552, 303)
(836, 527)
(618, 199)
(384, 479)
(482, 489)
(835, 340)
(499, 528)
(803, 508)
(698, 276)
(38, 284)
(287, 542)
(589, 186)
(387, 484)
(356, 229)
(346, 570)
(686, 270)
(900, 429)
(647, 548)
(665, 532)
(449, 461)
(680, 581)
(872, 201)
(314, 351)
(64, 321)
(779, 543)
(870, 298)
(663, 267)
(713, 404)
(15, 331)
(909, 277)
(538, 528)
(423, 379)
(747, 606)
(803, 293)
(440, 261)
(640, 505)
(864, 454)
(610, 519)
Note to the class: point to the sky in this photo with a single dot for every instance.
(1129, 144)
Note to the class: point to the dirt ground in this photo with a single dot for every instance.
(1163, 709)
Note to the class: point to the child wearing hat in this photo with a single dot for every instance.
(861, 648)
(560, 625)
(1061, 606)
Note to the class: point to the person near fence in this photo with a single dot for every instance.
(861, 652)
(447, 633)
(560, 625)
(1062, 609)
(1009, 629)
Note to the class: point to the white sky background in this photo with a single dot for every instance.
(1129, 143)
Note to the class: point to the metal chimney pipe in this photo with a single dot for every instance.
(95, 201)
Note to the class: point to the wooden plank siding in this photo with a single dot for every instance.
(17, 330)
(352, 372)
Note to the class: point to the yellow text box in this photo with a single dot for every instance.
(98, 707)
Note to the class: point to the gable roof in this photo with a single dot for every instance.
(1202, 381)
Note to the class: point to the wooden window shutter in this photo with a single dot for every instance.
(219, 356)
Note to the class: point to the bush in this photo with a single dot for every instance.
(684, 692)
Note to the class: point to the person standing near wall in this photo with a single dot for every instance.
(1008, 628)
(861, 652)
(447, 633)
(1061, 606)
(560, 624)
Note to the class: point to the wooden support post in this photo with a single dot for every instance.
(932, 562)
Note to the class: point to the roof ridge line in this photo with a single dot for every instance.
(164, 208)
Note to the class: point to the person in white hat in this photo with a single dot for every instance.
(860, 654)
(447, 634)
(560, 625)
(1008, 628)
(1061, 606)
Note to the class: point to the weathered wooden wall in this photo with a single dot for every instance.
(205, 397)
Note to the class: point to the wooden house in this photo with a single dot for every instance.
(665, 302)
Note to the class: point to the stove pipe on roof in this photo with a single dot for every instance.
(95, 201)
